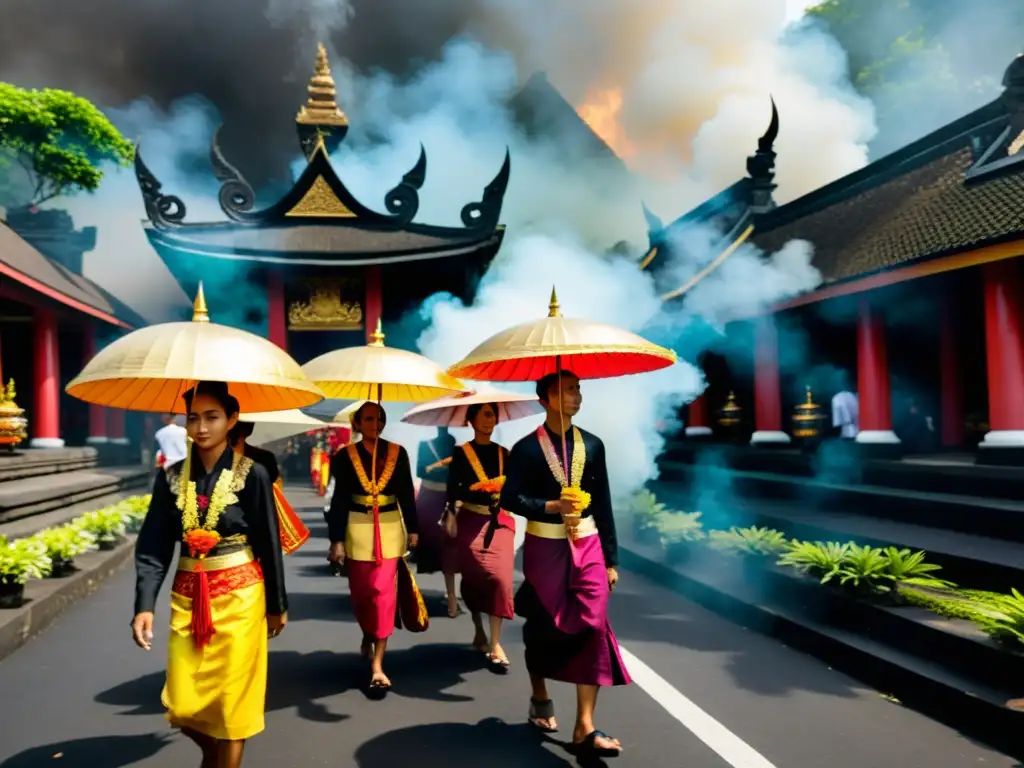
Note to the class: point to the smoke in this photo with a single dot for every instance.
(694, 78)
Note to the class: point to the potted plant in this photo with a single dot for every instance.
(646, 509)
(107, 525)
(62, 545)
(134, 510)
(677, 531)
(20, 560)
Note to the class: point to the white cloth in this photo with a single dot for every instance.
(846, 413)
(171, 440)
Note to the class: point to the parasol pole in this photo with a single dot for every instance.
(553, 311)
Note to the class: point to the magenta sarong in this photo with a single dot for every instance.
(374, 590)
(430, 503)
(487, 570)
(567, 633)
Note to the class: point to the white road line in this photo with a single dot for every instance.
(720, 739)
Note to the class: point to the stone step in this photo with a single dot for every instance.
(36, 495)
(32, 462)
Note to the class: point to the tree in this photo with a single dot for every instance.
(53, 143)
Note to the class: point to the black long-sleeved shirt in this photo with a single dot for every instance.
(461, 474)
(432, 451)
(254, 516)
(347, 485)
(264, 457)
(530, 484)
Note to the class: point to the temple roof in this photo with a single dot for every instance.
(319, 220)
(22, 263)
(956, 189)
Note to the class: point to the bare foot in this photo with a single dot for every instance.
(601, 741)
(379, 680)
(480, 642)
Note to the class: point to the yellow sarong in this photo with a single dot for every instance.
(220, 689)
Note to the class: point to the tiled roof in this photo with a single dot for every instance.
(927, 211)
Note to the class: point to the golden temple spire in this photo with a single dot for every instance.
(321, 108)
(377, 337)
(199, 312)
(553, 308)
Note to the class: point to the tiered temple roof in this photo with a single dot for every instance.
(319, 222)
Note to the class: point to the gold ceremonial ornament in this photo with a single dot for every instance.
(452, 411)
(730, 415)
(151, 369)
(808, 418)
(12, 421)
(379, 373)
(530, 351)
(326, 309)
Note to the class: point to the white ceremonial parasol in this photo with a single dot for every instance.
(451, 411)
(278, 425)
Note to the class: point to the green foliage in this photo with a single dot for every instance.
(677, 527)
(23, 559)
(907, 568)
(864, 568)
(57, 140)
(998, 615)
(646, 508)
(65, 542)
(818, 559)
(749, 541)
(107, 524)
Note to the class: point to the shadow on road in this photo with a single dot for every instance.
(490, 742)
(95, 752)
(334, 605)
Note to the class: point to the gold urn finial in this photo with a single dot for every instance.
(320, 107)
(553, 308)
(200, 314)
(377, 337)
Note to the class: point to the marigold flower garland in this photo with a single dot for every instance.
(571, 489)
(485, 484)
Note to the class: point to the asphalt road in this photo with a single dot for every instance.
(81, 695)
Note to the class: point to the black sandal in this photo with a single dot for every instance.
(378, 689)
(500, 666)
(589, 749)
(542, 710)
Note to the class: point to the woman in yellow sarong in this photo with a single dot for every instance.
(371, 525)
(228, 593)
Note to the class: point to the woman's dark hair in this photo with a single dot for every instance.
(218, 390)
(358, 415)
(545, 383)
(475, 408)
(241, 429)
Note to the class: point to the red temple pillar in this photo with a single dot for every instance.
(951, 391)
(45, 419)
(97, 415)
(1004, 348)
(115, 426)
(767, 385)
(277, 322)
(373, 306)
(697, 422)
(873, 386)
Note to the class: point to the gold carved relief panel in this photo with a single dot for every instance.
(329, 304)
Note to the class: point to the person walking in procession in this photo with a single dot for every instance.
(570, 540)
(228, 594)
(483, 534)
(371, 523)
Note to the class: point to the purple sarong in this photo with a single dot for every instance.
(564, 600)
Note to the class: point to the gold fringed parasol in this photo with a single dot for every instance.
(151, 368)
(381, 374)
(530, 351)
(451, 411)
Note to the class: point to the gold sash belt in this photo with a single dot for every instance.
(586, 527)
(367, 501)
(479, 509)
(433, 485)
(218, 562)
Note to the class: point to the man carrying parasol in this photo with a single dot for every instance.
(557, 478)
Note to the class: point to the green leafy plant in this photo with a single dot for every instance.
(748, 541)
(23, 559)
(679, 527)
(107, 524)
(819, 559)
(646, 509)
(1001, 616)
(910, 568)
(134, 510)
(864, 568)
(66, 542)
(58, 141)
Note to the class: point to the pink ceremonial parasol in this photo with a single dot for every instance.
(451, 411)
